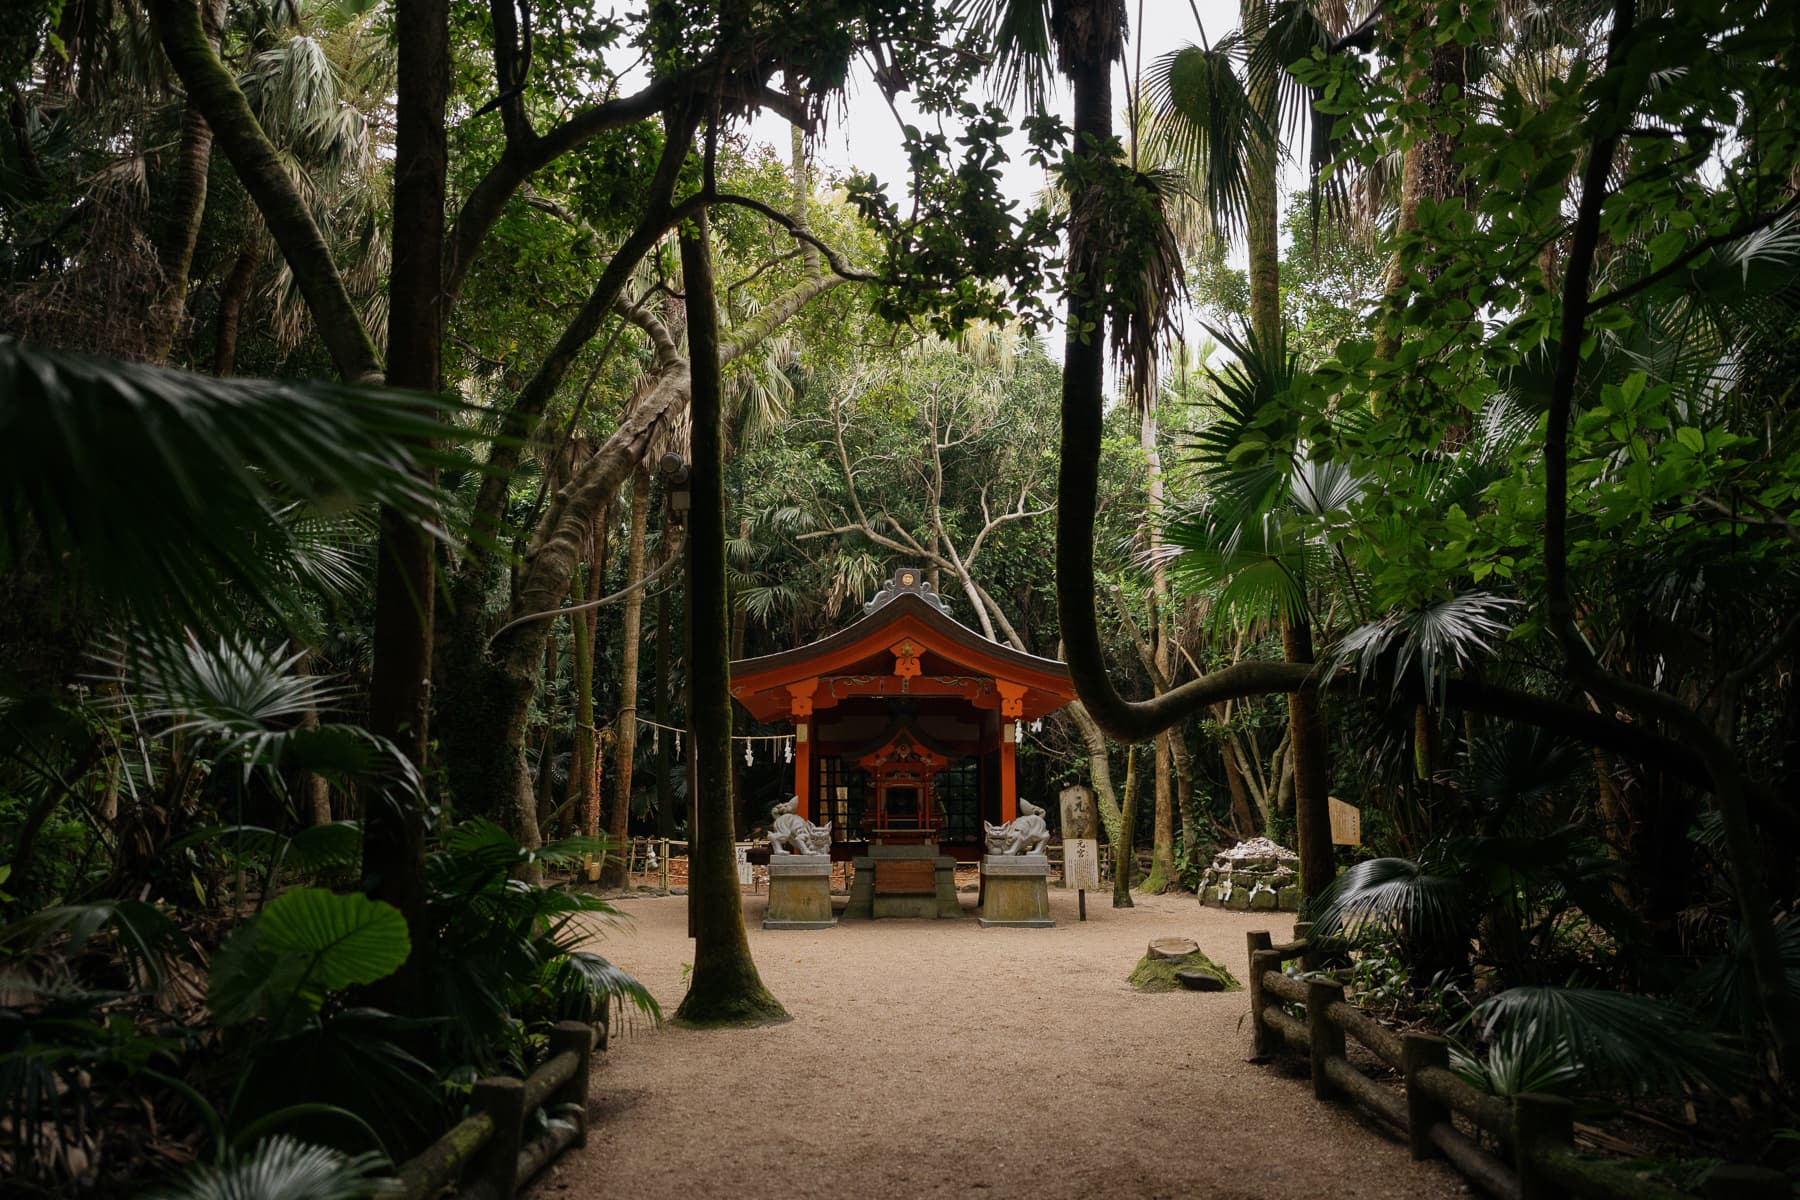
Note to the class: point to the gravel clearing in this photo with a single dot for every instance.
(936, 1058)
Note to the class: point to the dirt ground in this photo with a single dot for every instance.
(936, 1058)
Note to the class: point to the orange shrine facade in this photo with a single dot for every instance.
(904, 723)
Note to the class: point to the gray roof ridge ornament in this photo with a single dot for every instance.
(908, 581)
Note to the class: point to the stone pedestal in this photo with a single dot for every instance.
(919, 883)
(799, 892)
(1015, 891)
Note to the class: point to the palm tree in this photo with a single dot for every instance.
(1254, 544)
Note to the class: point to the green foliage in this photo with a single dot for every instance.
(279, 1168)
(1601, 1039)
(307, 943)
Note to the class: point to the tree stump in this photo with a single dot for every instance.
(1173, 947)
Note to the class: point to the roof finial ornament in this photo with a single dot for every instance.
(908, 580)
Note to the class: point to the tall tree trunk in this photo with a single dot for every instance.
(618, 827)
(1187, 812)
(1243, 817)
(665, 789)
(1312, 779)
(187, 206)
(405, 579)
(584, 789)
(1428, 168)
(725, 988)
(1162, 847)
(234, 296)
(1262, 198)
(314, 789)
(1106, 800)
(1125, 845)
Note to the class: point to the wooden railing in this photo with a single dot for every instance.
(485, 1156)
(1536, 1157)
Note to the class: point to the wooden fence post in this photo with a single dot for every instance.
(1423, 1111)
(503, 1100)
(1540, 1122)
(579, 1037)
(1259, 1032)
(1326, 1037)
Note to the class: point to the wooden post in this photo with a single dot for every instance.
(803, 769)
(665, 865)
(579, 1037)
(1423, 1111)
(1540, 1122)
(1009, 785)
(1303, 933)
(503, 1100)
(1262, 1041)
(1326, 1037)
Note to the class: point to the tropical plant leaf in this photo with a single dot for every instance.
(163, 492)
(1431, 640)
(347, 938)
(1615, 1039)
(1397, 898)
(280, 1168)
(1725, 986)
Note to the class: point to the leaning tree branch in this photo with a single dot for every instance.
(215, 94)
(839, 264)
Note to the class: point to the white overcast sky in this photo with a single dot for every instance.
(867, 138)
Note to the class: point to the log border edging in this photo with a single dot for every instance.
(1538, 1130)
(484, 1156)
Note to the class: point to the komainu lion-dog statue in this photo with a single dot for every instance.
(1028, 834)
(794, 834)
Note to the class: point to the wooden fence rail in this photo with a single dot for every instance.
(485, 1156)
(1535, 1132)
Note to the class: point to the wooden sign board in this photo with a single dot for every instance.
(1077, 813)
(1081, 863)
(1346, 823)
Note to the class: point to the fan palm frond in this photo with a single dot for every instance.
(1202, 121)
(1397, 898)
(1434, 639)
(1019, 39)
(1615, 1039)
(157, 486)
(280, 1168)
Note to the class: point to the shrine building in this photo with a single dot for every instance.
(905, 723)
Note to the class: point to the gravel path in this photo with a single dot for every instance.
(935, 1058)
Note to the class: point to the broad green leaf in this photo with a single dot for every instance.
(349, 938)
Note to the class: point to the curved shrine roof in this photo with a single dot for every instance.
(905, 645)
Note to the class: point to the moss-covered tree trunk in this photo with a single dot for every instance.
(1312, 780)
(724, 987)
(1162, 847)
(618, 825)
(1125, 844)
(234, 297)
(179, 229)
